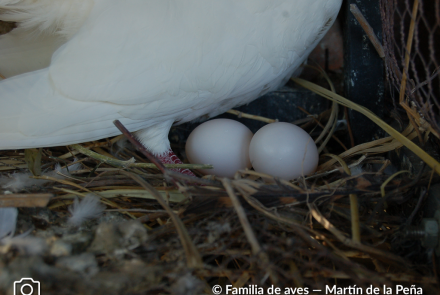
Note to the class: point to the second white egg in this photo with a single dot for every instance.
(283, 150)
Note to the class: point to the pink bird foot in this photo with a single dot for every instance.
(169, 157)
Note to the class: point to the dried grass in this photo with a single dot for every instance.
(278, 232)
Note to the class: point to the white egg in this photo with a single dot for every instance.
(283, 150)
(223, 143)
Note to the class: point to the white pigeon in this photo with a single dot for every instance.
(75, 66)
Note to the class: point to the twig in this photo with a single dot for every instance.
(354, 207)
(250, 116)
(384, 184)
(299, 229)
(368, 29)
(408, 50)
(350, 131)
(419, 203)
(355, 226)
(348, 242)
(175, 196)
(126, 164)
(322, 126)
(25, 200)
(137, 210)
(358, 162)
(331, 123)
(397, 190)
(96, 144)
(427, 81)
(192, 255)
(193, 180)
(370, 115)
(139, 146)
(45, 177)
(250, 235)
(256, 249)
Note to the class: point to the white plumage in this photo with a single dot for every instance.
(8, 221)
(89, 208)
(149, 64)
(20, 180)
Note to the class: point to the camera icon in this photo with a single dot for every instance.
(26, 286)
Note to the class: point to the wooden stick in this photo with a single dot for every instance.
(354, 207)
(139, 146)
(25, 200)
(368, 29)
(125, 164)
(408, 50)
(250, 235)
(249, 116)
(322, 126)
(192, 255)
(430, 161)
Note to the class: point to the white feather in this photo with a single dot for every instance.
(151, 63)
(356, 170)
(21, 52)
(89, 208)
(18, 181)
(56, 17)
(28, 245)
(43, 26)
(8, 221)
(21, 180)
(23, 243)
(120, 145)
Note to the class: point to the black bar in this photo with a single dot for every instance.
(364, 69)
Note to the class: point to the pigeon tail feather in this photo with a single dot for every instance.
(42, 27)
(22, 52)
(63, 18)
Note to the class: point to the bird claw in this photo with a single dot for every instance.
(169, 157)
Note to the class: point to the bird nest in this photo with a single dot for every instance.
(163, 232)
